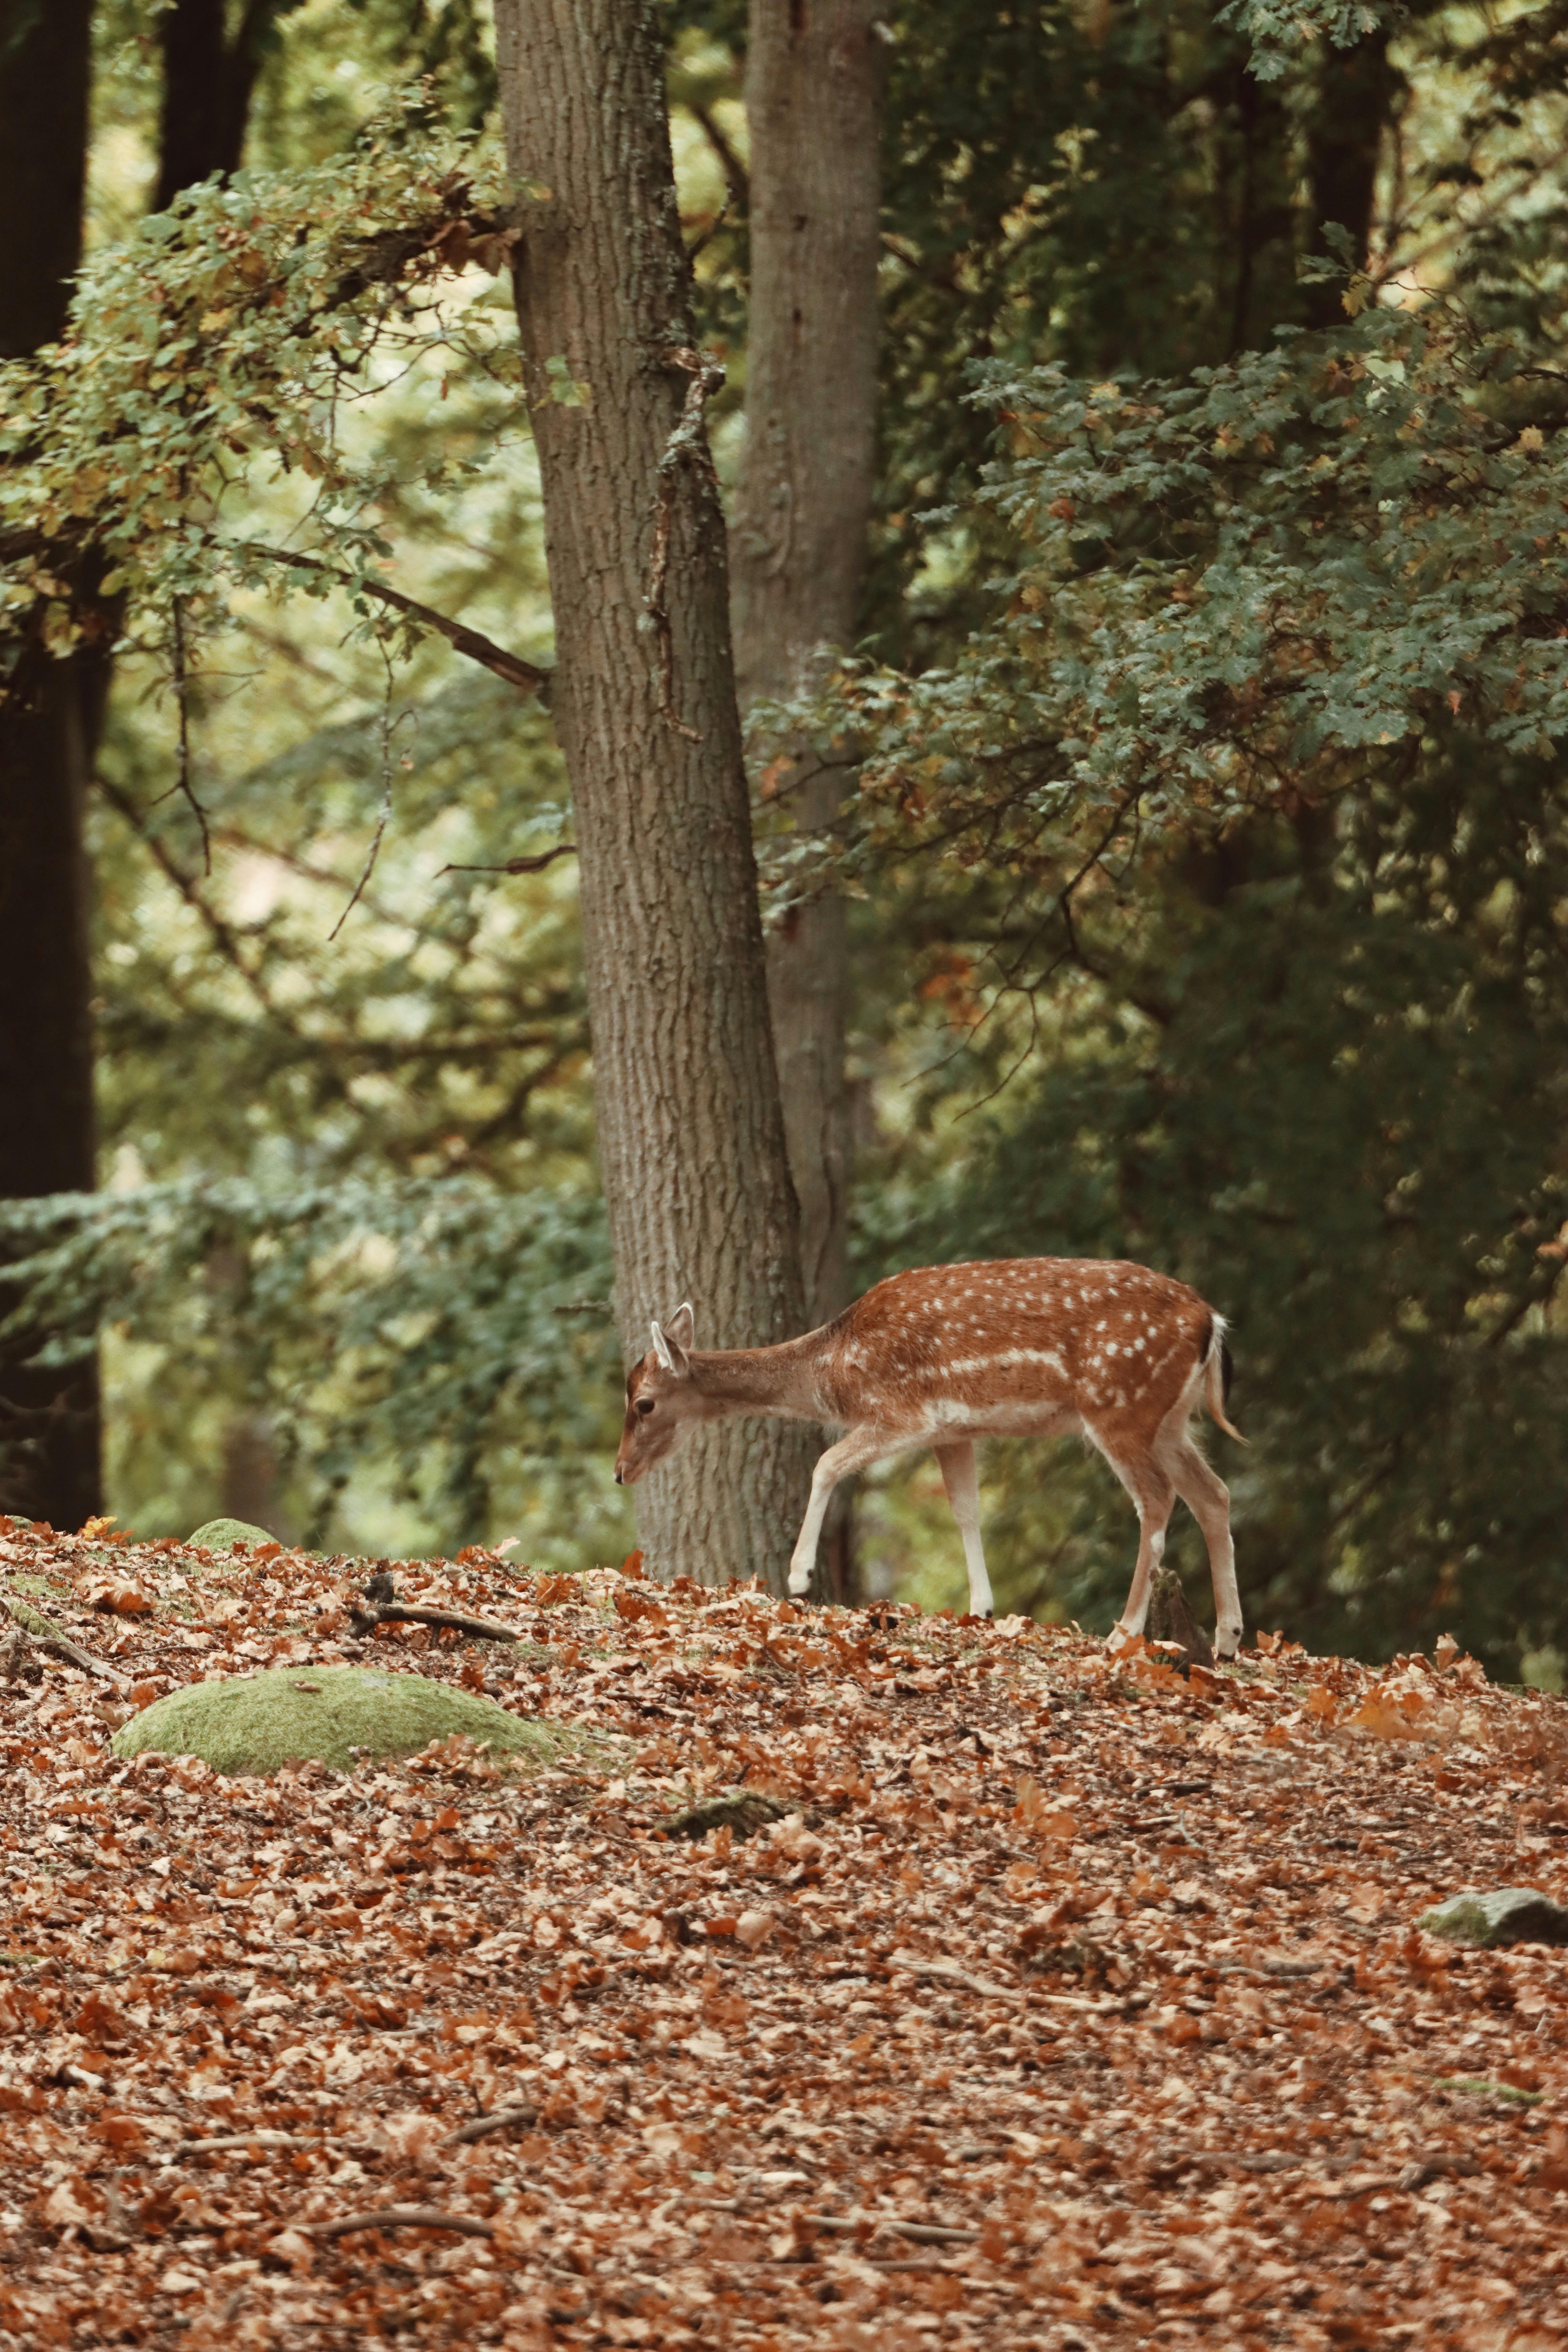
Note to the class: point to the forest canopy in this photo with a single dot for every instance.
(1200, 803)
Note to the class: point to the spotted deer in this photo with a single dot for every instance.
(949, 1354)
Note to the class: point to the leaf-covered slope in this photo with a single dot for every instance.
(1069, 2003)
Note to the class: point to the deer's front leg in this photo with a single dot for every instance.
(961, 1479)
(855, 1452)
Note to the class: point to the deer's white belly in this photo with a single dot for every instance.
(948, 1417)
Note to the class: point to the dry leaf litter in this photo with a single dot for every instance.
(1030, 1997)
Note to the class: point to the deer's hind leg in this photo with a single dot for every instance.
(1153, 1495)
(1207, 1498)
(961, 1479)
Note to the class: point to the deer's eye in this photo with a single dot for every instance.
(645, 1405)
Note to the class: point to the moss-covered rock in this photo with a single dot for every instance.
(222, 1535)
(1498, 1916)
(254, 1723)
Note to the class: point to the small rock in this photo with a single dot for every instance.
(1504, 1915)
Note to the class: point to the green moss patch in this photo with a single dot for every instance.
(339, 1715)
(222, 1535)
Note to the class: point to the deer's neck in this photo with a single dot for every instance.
(779, 1379)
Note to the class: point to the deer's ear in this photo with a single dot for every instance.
(671, 1340)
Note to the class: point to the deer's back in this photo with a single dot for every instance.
(1029, 1342)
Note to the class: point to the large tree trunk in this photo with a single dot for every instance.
(803, 509)
(49, 719)
(690, 1133)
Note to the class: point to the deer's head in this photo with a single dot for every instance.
(661, 1403)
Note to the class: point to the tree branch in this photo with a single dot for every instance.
(524, 675)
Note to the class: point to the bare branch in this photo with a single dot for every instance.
(524, 675)
(535, 865)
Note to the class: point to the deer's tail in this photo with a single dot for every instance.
(1217, 1369)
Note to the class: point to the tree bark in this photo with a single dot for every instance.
(208, 82)
(803, 507)
(798, 547)
(49, 1431)
(1357, 88)
(690, 1132)
(52, 713)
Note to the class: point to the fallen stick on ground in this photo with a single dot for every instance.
(948, 1972)
(407, 1613)
(49, 1637)
(496, 2120)
(400, 2217)
(268, 2140)
(921, 2233)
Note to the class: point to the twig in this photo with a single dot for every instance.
(1416, 2176)
(223, 937)
(707, 235)
(496, 2120)
(948, 1972)
(921, 2233)
(736, 181)
(524, 675)
(49, 1637)
(181, 698)
(401, 2217)
(389, 727)
(269, 2139)
(405, 1612)
(520, 865)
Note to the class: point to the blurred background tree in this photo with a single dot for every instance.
(1302, 1045)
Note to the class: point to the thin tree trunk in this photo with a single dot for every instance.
(52, 714)
(798, 547)
(1357, 90)
(803, 508)
(208, 81)
(50, 1434)
(690, 1132)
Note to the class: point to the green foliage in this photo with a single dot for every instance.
(1110, 189)
(241, 324)
(1236, 595)
(1277, 30)
(1257, 770)
(437, 1321)
(1212, 820)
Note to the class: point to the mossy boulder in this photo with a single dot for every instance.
(255, 1723)
(222, 1535)
(1498, 1916)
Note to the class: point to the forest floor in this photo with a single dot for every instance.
(1062, 2002)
